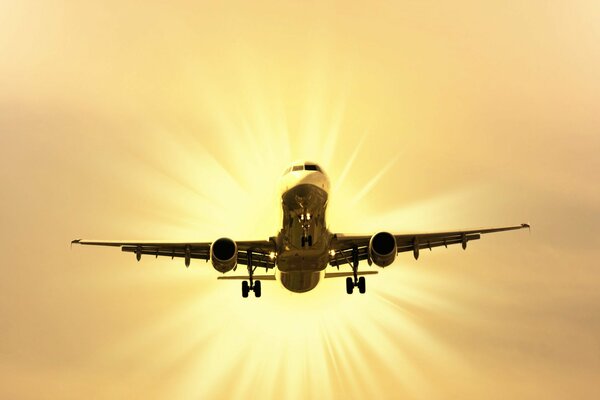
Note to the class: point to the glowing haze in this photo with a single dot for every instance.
(144, 120)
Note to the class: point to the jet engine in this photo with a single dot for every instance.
(382, 249)
(223, 254)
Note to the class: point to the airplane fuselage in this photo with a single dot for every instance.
(303, 242)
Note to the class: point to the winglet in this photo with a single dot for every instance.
(526, 226)
(76, 241)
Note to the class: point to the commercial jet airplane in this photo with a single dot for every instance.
(302, 250)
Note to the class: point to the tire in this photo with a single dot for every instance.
(257, 288)
(245, 289)
(349, 285)
(362, 285)
(303, 241)
(309, 240)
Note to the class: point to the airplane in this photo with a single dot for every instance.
(304, 247)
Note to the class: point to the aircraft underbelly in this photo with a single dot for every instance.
(303, 242)
(302, 260)
(300, 282)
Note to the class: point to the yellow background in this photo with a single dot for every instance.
(165, 120)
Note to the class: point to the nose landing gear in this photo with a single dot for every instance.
(307, 240)
(304, 218)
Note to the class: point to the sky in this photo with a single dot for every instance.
(173, 121)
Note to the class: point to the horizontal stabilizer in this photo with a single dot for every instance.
(246, 277)
(343, 274)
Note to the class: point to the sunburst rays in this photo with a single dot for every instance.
(319, 344)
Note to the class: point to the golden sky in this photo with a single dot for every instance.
(167, 120)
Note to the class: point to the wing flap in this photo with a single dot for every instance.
(260, 260)
(344, 256)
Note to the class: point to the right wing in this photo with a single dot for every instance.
(343, 246)
(260, 250)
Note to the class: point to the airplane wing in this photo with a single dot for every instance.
(343, 246)
(260, 250)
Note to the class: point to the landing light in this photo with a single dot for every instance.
(272, 255)
(332, 253)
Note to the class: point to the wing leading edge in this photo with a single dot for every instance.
(343, 246)
(260, 250)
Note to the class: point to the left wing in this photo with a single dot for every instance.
(260, 250)
(344, 247)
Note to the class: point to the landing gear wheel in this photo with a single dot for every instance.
(303, 241)
(349, 285)
(309, 240)
(245, 289)
(362, 285)
(257, 289)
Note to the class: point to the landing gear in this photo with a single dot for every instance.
(360, 283)
(246, 288)
(251, 285)
(257, 289)
(304, 218)
(307, 241)
(349, 285)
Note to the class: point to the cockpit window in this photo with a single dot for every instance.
(312, 167)
(305, 167)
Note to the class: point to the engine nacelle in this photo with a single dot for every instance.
(383, 249)
(223, 254)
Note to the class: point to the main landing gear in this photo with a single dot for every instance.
(355, 281)
(251, 285)
(361, 283)
(247, 287)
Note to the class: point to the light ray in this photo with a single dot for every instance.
(366, 188)
(321, 344)
(350, 162)
(318, 330)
